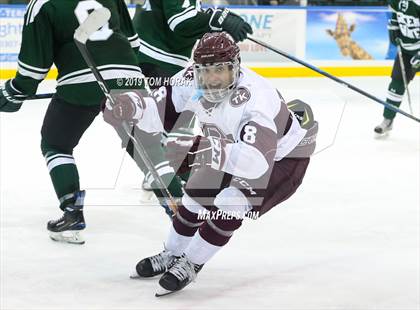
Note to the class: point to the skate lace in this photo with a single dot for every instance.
(70, 211)
(184, 269)
(58, 220)
(161, 261)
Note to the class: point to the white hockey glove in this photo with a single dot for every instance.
(186, 153)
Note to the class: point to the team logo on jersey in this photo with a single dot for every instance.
(403, 5)
(189, 74)
(239, 97)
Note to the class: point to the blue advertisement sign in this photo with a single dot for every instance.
(11, 25)
(343, 34)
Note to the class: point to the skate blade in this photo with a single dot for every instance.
(148, 197)
(146, 188)
(135, 276)
(384, 135)
(160, 292)
(69, 236)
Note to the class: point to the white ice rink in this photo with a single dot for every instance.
(348, 239)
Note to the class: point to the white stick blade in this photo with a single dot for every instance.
(92, 23)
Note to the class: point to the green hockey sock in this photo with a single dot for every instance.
(63, 173)
(394, 97)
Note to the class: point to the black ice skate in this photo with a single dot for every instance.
(68, 227)
(154, 265)
(179, 275)
(383, 128)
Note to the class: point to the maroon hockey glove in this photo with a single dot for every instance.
(129, 108)
(188, 153)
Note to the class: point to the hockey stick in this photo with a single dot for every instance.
(334, 78)
(404, 76)
(40, 96)
(94, 21)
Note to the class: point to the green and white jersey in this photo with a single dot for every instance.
(407, 14)
(47, 38)
(168, 30)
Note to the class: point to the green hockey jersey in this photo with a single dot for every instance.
(407, 14)
(168, 30)
(47, 38)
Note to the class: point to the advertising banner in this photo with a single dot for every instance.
(270, 25)
(11, 24)
(283, 28)
(347, 34)
(340, 34)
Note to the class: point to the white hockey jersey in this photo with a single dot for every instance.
(253, 121)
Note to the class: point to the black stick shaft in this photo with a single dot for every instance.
(40, 96)
(336, 79)
(137, 144)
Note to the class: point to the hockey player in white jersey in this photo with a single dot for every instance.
(251, 156)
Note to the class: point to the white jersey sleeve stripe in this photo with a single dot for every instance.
(135, 43)
(29, 10)
(108, 74)
(179, 14)
(31, 74)
(36, 7)
(29, 67)
(187, 15)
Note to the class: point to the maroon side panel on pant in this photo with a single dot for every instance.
(286, 177)
(277, 185)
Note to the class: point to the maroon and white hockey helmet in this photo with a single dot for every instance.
(216, 66)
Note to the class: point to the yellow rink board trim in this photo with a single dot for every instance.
(277, 72)
(274, 72)
(10, 73)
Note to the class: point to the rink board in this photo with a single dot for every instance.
(308, 39)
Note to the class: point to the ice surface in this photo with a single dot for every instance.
(348, 239)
